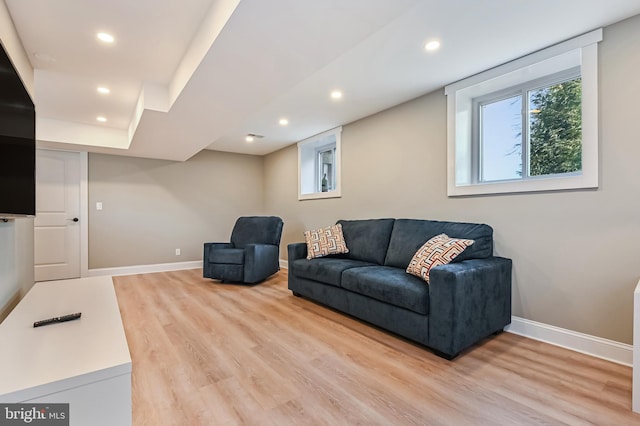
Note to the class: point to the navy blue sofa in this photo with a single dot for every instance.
(463, 303)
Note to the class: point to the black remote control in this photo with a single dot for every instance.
(63, 318)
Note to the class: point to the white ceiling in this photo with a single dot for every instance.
(196, 74)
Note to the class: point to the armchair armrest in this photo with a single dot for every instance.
(218, 245)
(297, 251)
(213, 246)
(260, 261)
(469, 301)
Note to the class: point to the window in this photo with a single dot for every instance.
(530, 131)
(530, 125)
(319, 166)
(326, 179)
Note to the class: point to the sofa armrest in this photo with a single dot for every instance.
(297, 251)
(260, 261)
(469, 301)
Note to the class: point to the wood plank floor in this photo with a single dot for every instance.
(206, 353)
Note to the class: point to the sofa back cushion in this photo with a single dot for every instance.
(410, 234)
(367, 240)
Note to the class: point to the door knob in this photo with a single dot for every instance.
(75, 219)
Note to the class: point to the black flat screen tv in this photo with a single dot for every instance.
(17, 144)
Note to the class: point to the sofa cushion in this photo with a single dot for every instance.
(367, 240)
(324, 241)
(327, 270)
(229, 256)
(391, 285)
(410, 234)
(439, 250)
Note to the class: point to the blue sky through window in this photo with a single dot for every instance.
(501, 140)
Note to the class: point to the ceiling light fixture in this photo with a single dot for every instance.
(252, 136)
(336, 94)
(432, 45)
(107, 38)
(283, 121)
(101, 119)
(104, 90)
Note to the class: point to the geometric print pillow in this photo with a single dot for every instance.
(439, 250)
(324, 241)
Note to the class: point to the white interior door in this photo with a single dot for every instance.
(57, 222)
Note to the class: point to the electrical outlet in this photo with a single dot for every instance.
(98, 205)
(177, 252)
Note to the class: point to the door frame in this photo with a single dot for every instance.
(84, 213)
(84, 207)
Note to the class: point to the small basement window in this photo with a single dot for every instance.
(528, 125)
(319, 166)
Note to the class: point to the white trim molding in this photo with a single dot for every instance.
(145, 269)
(284, 264)
(598, 347)
(84, 213)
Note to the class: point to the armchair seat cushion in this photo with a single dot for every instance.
(390, 285)
(231, 256)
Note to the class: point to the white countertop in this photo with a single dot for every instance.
(62, 355)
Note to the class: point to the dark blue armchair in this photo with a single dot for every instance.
(251, 256)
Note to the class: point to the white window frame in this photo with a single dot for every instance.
(309, 167)
(580, 52)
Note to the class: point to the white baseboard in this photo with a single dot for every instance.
(284, 264)
(145, 269)
(598, 347)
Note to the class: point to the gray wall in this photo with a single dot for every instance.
(152, 207)
(575, 261)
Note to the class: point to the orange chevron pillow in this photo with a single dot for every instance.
(325, 241)
(439, 250)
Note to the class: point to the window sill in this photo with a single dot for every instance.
(588, 181)
(320, 195)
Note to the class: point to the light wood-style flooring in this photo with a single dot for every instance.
(206, 353)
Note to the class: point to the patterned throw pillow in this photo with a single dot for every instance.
(325, 241)
(439, 250)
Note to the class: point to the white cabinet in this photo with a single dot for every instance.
(84, 362)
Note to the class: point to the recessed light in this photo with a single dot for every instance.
(249, 138)
(107, 38)
(432, 45)
(104, 90)
(101, 119)
(283, 121)
(336, 94)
